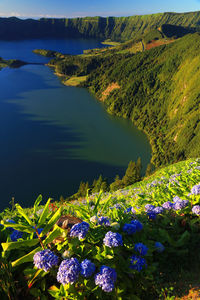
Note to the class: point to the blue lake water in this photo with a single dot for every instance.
(53, 136)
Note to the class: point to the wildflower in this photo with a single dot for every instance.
(149, 207)
(167, 205)
(195, 189)
(15, 235)
(87, 268)
(137, 263)
(138, 225)
(45, 260)
(159, 247)
(196, 210)
(106, 278)
(68, 271)
(129, 228)
(79, 230)
(104, 221)
(141, 248)
(113, 239)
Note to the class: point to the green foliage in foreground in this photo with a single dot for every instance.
(177, 230)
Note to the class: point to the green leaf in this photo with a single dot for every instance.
(23, 214)
(26, 258)
(19, 244)
(51, 222)
(20, 227)
(37, 202)
(57, 231)
(97, 202)
(44, 214)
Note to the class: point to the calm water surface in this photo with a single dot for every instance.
(53, 136)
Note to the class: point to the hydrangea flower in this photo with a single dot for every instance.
(195, 189)
(104, 221)
(159, 247)
(137, 263)
(141, 248)
(45, 260)
(113, 239)
(167, 205)
(180, 204)
(149, 207)
(79, 230)
(15, 235)
(129, 228)
(138, 225)
(87, 268)
(106, 278)
(158, 210)
(68, 271)
(151, 215)
(196, 210)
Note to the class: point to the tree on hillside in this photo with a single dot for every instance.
(139, 169)
(130, 176)
(149, 169)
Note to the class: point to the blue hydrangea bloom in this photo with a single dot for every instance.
(129, 209)
(159, 247)
(87, 268)
(137, 263)
(196, 210)
(138, 225)
(180, 204)
(68, 271)
(113, 239)
(15, 235)
(149, 207)
(45, 260)
(79, 230)
(195, 189)
(151, 215)
(141, 248)
(104, 221)
(167, 205)
(158, 210)
(106, 278)
(129, 228)
(176, 198)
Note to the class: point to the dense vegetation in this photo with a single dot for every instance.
(123, 28)
(141, 242)
(12, 63)
(157, 89)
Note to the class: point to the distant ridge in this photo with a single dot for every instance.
(115, 28)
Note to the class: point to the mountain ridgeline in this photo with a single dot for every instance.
(115, 28)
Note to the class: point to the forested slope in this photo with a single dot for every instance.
(116, 28)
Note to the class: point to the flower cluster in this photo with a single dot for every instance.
(141, 248)
(87, 268)
(137, 263)
(179, 204)
(167, 205)
(45, 260)
(79, 230)
(106, 278)
(133, 227)
(68, 271)
(15, 235)
(196, 210)
(104, 221)
(113, 239)
(195, 189)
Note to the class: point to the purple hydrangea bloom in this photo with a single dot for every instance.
(196, 210)
(87, 268)
(151, 215)
(138, 225)
(195, 189)
(45, 260)
(68, 271)
(180, 204)
(176, 198)
(129, 228)
(104, 221)
(137, 263)
(15, 235)
(167, 205)
(141, 248)
(106, 278)
(79, 230)
(149, 207)
(158, 210)
(113, 239)
(159, 247)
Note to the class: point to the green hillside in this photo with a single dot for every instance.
(115, 28)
